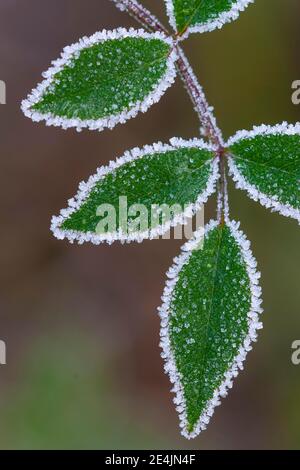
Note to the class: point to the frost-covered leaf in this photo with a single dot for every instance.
(209, 319)
(266, 163)
(104, 80)
(142, 194)
(188, 16)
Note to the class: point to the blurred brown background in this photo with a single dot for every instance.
(83, 364)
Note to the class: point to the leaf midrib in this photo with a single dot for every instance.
(132, 71)
(117, 77)
(264, 164)
(191, 17)
(206, 163)
(204, 360)
(193, 14)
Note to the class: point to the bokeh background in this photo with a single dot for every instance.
(83, 364)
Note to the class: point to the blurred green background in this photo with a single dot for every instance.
(83, 364)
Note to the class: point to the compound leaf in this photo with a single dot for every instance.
(141, 195)
(209, 318)
(104, 80)
(188, 16)
(266, 163)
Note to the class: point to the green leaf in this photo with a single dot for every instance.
(104, 80)
(266, 163)
(141, 195)
(203, 15)
(209, 318)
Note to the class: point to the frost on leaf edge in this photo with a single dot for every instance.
(109, 122)
(253, 323)
(217, 23)
(252, 191)
(85, 189)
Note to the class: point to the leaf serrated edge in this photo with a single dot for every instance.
(85, 189)
(69, 52)
(218, 23)
(241, 182)
(253, 323)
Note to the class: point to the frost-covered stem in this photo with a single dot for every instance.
(223, 208)
(141, 14)
(202, 108)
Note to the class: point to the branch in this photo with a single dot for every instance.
(223, 206)
(202, 108)
(141, 14)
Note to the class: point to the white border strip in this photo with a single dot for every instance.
(218, 23)
(253, 323)
(85, 189)
(71, 52)
(241, 183)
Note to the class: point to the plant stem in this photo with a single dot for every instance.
(141, 15)
(210, 128)
(204, 111)
(223, 209)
